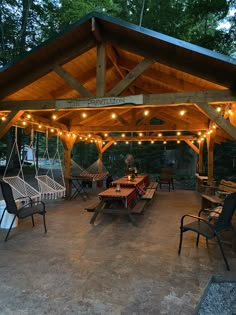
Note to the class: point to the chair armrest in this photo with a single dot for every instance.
(32, 203)
(197, 218)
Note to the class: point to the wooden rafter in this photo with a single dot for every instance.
(68, 78)
(196, 149)
(10, 120)
(113, 57)
(130, 77)
(151, 137)
(157, 100)
(217, 118)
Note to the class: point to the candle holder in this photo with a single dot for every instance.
(118, 188)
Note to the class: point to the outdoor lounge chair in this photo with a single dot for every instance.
(211, 229)
(29, 209)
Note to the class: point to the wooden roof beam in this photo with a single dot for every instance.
(111, 54)
(174, 80)
(154, 138)
(192, 146)
(70, 80)
(141, 128)
(35, 119)
(10, 120)
(43, 67)
(217, 118)
(96, 30)
(131, 77)
(101, 70)
(156, 100)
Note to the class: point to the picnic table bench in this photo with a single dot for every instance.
(149, 194)
(152, 185)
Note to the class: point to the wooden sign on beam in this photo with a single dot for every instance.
(99, 102)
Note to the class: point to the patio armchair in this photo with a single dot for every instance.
(211, 229)
(29, 208)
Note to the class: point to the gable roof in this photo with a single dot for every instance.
(167, 66)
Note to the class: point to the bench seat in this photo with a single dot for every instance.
(139, 207)
(92, 207)
(149, 194)
(152, 185)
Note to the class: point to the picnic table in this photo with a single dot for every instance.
(116, 203)
(127, 181)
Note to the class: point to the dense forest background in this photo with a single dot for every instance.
(25, 24)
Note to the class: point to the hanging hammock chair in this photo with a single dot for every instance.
(48, 186)
(20, 188)
(77, 170)
(97, 170)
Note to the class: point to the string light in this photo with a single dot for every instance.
(178, 141)
(54, 117)
(127, 142)
(3, 118)
(113, 116)
(182, 112)
(164, 142)
(24, 123)
(123, 135)
(152, 142)
(140, 134)
(52, 130)
(84, 115)
(28, 116)
(146, 112)
(140, 142)
(159, 134)
(218, 109)
(178, 133)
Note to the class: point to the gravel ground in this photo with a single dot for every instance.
(219, 299)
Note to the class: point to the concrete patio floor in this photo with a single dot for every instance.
(111, 267)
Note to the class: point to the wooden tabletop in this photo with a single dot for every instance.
(111, 192)
(133, 182)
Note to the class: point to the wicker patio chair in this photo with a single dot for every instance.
(29, 209)
(211, 229)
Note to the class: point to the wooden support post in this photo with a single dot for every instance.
(101, 70)
(210, 157)
(68, 143)
(200, 158)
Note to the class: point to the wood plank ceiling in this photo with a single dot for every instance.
(102, 59)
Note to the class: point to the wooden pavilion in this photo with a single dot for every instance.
(106, 80)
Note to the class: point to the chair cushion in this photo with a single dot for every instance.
(28, 211)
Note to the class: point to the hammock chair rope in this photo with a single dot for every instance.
(20, 187)
(97, 170)
(48, 186)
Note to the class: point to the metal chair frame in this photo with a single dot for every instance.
(29, 209)
(211, 231)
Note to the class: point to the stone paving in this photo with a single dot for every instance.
(110, 268)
